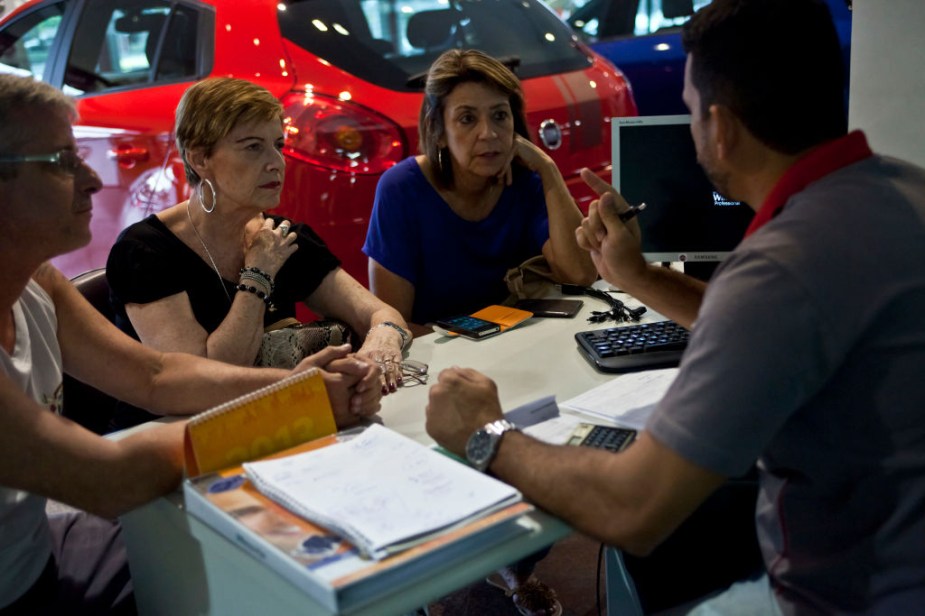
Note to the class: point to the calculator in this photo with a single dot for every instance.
(611, 438)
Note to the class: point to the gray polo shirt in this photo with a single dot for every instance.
(809, 356)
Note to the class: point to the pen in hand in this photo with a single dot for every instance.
(629, 214)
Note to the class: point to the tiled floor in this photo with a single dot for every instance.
(570, 569)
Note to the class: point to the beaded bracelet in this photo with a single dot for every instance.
(259, 293)
(248, 277)
(250, 272)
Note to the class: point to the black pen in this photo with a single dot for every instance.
(630, 213)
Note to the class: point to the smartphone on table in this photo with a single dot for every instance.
(470, 327)
(562, 308)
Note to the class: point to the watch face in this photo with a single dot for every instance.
(479, 449)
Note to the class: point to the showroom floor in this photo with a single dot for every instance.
(570, 568)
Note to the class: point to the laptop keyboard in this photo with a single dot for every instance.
(634, 347)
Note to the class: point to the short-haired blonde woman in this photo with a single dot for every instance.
(207, 275)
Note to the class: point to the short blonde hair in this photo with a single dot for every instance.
(210, 109)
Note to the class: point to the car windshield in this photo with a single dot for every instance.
(599, 19)
(392, 43)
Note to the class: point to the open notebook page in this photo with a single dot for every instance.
(380, 490)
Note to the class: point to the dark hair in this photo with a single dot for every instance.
(452, 68)
(210, 109)
(19, 93)
(776, 64)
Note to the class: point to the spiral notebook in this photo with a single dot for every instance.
(291, 411)
(382, 491)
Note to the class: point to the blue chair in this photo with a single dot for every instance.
(622, 599)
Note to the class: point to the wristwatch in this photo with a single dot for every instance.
(483, 444)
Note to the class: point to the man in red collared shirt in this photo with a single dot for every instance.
(807, 346)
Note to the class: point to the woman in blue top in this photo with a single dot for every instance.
(448, 224)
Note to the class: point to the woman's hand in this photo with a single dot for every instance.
(269, 246)
(341, 297)
(529, 155)
(383, 346)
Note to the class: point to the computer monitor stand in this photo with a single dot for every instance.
(701, 270)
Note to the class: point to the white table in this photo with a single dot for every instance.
(181, 566)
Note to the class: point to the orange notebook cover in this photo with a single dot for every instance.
(505, 316)
(291, 411)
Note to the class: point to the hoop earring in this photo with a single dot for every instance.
(202, 201)
(440, 162)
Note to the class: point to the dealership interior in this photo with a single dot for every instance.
(887, 91)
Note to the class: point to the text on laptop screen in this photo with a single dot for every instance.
(654, 162)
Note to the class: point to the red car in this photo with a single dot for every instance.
(348, 72)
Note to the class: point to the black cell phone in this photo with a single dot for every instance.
(564, 308)
(470, 327)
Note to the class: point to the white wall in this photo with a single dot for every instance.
(887, 92)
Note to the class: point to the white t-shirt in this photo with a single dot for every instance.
(34, 366)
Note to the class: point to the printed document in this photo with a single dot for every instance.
(627, 400)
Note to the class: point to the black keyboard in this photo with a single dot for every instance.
(634, 347)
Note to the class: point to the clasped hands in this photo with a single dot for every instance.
(352, 382)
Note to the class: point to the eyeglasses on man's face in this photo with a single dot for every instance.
(68, 160)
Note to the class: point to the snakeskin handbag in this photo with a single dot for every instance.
(288, 342)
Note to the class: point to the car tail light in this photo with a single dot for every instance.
(341, 135)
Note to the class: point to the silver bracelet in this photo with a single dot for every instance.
(405, 335)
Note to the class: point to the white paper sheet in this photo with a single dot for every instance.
(627, 400)
(555, 431)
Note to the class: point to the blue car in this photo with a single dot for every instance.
(642, 39)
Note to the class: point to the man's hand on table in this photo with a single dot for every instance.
(461, 401)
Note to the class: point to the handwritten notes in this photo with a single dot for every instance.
(380, 490)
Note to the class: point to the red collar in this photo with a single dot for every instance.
(819, 162)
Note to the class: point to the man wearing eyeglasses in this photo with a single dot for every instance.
(74, 562)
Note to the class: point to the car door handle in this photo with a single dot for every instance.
(128, 155)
